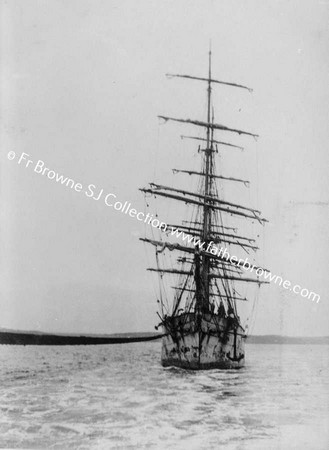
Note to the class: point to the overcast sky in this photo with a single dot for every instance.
(82, 83)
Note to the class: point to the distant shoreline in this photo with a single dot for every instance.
(289, 340)
(17, 337)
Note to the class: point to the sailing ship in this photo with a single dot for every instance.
(201, 326)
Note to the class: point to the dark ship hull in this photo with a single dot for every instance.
(207, 342)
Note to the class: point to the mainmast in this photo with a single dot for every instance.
(204, 296)
(208, 154)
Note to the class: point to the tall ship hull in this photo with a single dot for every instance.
(208, 342)
(200, 319)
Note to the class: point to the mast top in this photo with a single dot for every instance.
(209, 63)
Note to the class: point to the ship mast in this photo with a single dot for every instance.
(206, 267)
(208, 153)
(206, 209)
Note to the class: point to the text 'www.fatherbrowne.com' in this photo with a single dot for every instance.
(223, 254)
(92, 192)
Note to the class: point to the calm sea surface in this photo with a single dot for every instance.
(119, 397)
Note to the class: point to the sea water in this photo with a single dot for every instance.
(120, 397)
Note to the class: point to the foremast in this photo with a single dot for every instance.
(202, 298)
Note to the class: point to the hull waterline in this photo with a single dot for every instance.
(204, 343)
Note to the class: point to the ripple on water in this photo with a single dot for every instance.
(120, 397)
